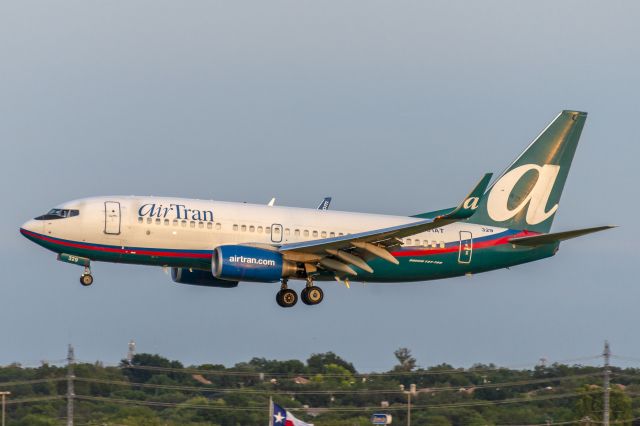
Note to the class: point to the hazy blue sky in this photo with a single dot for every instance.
(388, 106)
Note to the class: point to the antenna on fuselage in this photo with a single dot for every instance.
(272, 202)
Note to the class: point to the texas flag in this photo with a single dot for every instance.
(281, 417)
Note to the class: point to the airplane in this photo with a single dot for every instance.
(219, 244)
(324, 204)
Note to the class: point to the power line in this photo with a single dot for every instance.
(359, 375)
(33, 399)
(331, 392)
(332, 409)
(32, 382)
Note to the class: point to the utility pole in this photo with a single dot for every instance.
(607, 373)
(412, 390)
(4, 404)
(70, 392)
(408, 408)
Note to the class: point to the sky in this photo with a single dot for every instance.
(388, 107)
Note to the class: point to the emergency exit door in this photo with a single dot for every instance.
(466, 247)
(112, 217)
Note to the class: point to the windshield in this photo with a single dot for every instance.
(58, 214)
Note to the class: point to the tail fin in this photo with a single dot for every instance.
(527, 194)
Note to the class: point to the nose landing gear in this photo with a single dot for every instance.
(86, 279)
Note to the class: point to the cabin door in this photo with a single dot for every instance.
(466, 247)
(112, 217)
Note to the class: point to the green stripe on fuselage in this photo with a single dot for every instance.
(411, 268)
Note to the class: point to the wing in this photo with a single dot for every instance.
(349, 248)
(554, 237)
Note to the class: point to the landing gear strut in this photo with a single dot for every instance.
(286, 297)
(86, 279)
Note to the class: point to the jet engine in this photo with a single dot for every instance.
(246, 263)
(199, 277)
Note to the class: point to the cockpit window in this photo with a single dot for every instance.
(58, 214)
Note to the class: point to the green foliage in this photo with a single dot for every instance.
(169, 394)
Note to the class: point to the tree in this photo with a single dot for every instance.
(406, 362)
(318, 363)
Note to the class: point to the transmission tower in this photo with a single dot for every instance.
(607, 373)
(70, 392)
(132, 351)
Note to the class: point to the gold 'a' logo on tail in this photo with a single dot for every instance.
(471, 203)
(535, 201)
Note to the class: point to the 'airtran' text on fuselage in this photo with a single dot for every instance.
(175, 211)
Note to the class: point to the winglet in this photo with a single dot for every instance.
(471, 202)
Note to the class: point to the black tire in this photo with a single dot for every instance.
(86, 280)
(314, 295)
(287, 298)
(304, 296)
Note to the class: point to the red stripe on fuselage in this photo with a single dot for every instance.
(110, 249)
(483, 244)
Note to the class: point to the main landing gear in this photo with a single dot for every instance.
(310, 295)
(86, 279)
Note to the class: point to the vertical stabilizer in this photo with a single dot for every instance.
(527, 195)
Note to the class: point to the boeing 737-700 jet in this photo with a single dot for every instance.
(219, 244)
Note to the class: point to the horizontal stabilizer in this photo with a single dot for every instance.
(542, 239)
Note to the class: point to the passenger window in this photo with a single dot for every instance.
(267, 230)
(442, 244)
(324, 234)
(183, 223)
(332, 234)
(340, 234)
(192, 224)
(201, 225)
(140, 220)
(315, 234)
(149, 220)
(166, 222)
(209, 225)
(243, 228)
(408, 240)
(306, 232)
(218, 226)
(287, 232)
(157, 221)
(434, 244)
(175, 222)
(296, 232)
(235, 227)
(259, 229)
(252, 228)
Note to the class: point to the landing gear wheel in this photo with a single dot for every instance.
(312, 295)
(287, 298)
(86, 280)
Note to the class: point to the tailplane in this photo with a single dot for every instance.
(527, 194)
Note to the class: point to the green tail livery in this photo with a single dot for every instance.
(220, 244)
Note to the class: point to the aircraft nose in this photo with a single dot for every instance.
(31, 226)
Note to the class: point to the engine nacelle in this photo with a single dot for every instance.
(199, 277)
(244, 263)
